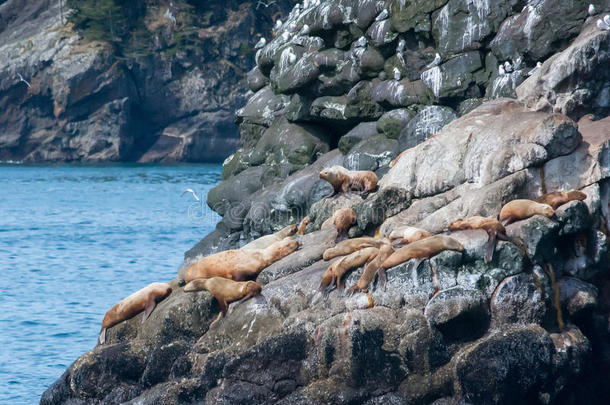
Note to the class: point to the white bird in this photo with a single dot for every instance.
(261, 43)
(292, 58)
(383, 15)
(360, 43)
(304, 30)
(278, 24)
(508, 67)
(534, 70)
(435, 62)
(401, 46)
(602, 25)
(607, 19)
(397, 74)
(21, 79)
(264, 4)
(501, 71)
(305, 4)
(591, 9)
(517, 63)
(285, 36)
(190, 190)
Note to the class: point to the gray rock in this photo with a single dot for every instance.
(538, 234)
(573, 217)
(401, 93)
(392, 123)
(577, 297)
(256, 79)
(517, 299)
(373, 154)
(453, 77)
(359, 133)
(429, 121)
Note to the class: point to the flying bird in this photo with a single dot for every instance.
(190, 190)
(435, 62)
(261, 43)
(592, 10)
(21, 79)
(264, 4)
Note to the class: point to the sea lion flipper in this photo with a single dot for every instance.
(216, 320)
(223, 305)
(102, 338)
(150, 306)
(490, 246)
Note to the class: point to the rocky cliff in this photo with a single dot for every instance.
(451, 86)
(155, 81)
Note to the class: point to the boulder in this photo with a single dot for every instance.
(429, 121)
(393, 122)
(359, 133)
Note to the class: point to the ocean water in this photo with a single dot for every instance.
(73, 242)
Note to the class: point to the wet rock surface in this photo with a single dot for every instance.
(356, 83)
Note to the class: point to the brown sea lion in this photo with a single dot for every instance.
(351, 245)
(267, 240)
(225, 291)
(303, 225)
(337, 269)
(142, 300)
(420, 250)
(344, 180)
(495, 230)
(408, 234)
(240, 265)
(342, 219)
(517, 210)
(372, 268)
(558, 198)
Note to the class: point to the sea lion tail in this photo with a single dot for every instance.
(490, 246)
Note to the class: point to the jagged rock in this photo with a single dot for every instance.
(511, 363)
(373, 153)
(392, 123)
(471, 159)
(462, 25)
(538, 234)
(429, 121)
(582, 66)
(517, 299)
(453, 77)
(360, 132)
(286, 143)
(458, 313)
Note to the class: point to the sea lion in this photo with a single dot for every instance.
(351, 245)
(408, 234)
(337, 269)
(558, 198)
(420, 250)
(225, 291)
(344, 180)
(517, 210)
(240, 265)
(267, 240)
(342, 219)
(142, 300)
(372, 268)
(495, 230)
(303, 225)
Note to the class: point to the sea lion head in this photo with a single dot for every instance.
(287, 246)
(546, 210)
(253, 288)
(452, 244)
(456, 225)
(576, 195)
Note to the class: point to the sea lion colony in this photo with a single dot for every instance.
(230, 275)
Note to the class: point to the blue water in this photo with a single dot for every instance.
(74, 241)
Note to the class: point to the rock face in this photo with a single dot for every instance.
(353, 82)
(162, 88)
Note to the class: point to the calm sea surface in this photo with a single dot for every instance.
(74, 241)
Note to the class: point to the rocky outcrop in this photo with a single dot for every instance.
(529, 326)
(161, 87)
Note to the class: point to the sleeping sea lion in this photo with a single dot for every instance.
(372, 268)
(408, 234)
(142, 300)
(303, 225)
(335, 272)
(267, 240)
(558, 198)
(344, 180)
(495, 230)
(517, 210)
(420, 250)
(240, 264)
(225, 291)
(342, 219)
(352, 245)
